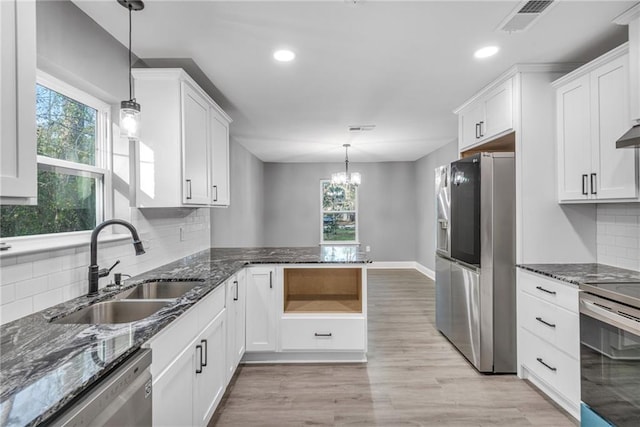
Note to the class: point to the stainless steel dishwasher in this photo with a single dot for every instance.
(123, 398)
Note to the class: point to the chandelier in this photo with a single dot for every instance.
(346, 178)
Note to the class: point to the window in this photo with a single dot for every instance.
(339, 214)
(73, 179)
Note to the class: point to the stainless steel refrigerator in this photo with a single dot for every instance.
(475, 268)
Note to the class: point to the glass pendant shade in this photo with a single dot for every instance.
(130, 120)
(346, 178)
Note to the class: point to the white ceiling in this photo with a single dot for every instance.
(403, 66)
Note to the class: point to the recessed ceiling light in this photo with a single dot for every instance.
(486, 51)
(284, 55)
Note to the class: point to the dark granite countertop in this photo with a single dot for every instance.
(43, 366)
(583, 273)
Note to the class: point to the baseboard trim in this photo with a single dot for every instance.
(426, 271)
(260, 357)
(403, 265)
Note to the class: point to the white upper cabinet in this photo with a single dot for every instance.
(195, 147)
(487, 116)
(220, 159)
(592, 113)
(18, 164)
(178, 159)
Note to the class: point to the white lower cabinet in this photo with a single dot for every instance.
(261, 309)
(188, 366)
(323, 333)
(210, 378)
(236, 312)
(549, 338)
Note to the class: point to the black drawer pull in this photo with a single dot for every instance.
(551, 368)
(540, 288)
(199, 370)
(541, 320)
(322, 335)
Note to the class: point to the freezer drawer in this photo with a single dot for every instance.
(465, 313)
(443, 295)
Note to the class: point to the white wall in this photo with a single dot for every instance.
(72, 47)
(241, 224)
(425, 199)
(619, 235)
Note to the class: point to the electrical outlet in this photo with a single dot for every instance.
(367, 248)
(182, 234)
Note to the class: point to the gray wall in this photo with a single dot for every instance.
(72, 47)
(425, 187)
(387, 206)
(241, 224)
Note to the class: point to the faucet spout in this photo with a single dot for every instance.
(94, 270)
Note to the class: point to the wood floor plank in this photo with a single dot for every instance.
(414, 377)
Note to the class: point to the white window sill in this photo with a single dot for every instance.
(27, 245)
(340, 243)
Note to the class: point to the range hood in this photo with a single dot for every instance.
(631, 139)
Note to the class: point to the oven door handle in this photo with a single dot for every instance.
(607, 315)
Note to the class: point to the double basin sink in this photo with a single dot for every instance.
(131, 305)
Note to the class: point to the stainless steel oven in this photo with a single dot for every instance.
(609, 361)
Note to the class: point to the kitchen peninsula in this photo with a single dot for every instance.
(45, 365)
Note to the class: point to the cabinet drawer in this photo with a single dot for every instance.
(563, 294)
(172, 340)
(323, 334)
(550, 365)
(210, 306)
(551, 323)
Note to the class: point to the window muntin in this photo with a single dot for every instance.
(339, 213)
(73, 175)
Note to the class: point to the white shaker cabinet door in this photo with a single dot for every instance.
(18, 164)
(498, 109)
(195, 140)
(219, 160)
(614, 169)
(173, 392)
(261, 309)
(574, 153)
(210, 383)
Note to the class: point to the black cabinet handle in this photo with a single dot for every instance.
(551, 368)
(188, 189)
(215, 188)
(271, 280)
(593, 184)
(235, 298)
(199, 370)
(322, 335)
(204, 342)
(541, 320)
(540, 288)
(584, 184)
(481, 131)
(477, 130)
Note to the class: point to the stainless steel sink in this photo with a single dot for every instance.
(114, 311)
(158, 290)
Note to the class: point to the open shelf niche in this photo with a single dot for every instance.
(323, 290)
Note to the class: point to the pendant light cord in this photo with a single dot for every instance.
(130, 74)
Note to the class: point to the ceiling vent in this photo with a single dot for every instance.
(525, 15)
(361, 128)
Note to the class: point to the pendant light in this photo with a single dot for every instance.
(130, 110)
(346, 178)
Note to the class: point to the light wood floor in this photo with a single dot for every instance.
(414, 377)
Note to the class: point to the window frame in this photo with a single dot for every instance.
(102, 169)
(322, 212)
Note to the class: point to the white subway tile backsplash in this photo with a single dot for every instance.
(618, 235)
(16, 309)
(28, 288)
(35, 281)
(16, 273)
(7, 293)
